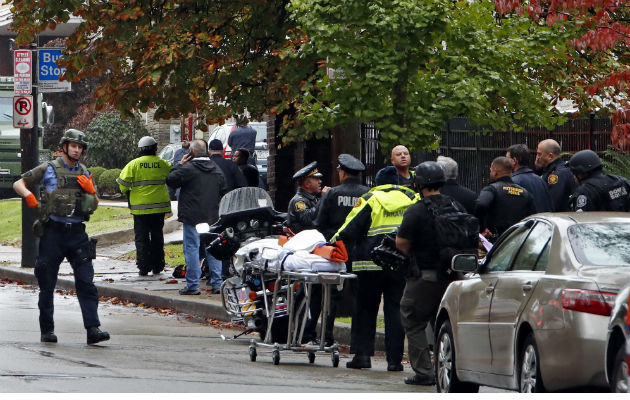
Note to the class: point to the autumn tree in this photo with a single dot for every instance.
(596, 53)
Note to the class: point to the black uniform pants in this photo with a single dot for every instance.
(371, 285)
(418, 308)
(315, 309)
(72, 243)
(149, 240)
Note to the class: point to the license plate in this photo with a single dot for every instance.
(262, 154)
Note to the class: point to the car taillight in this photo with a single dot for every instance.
(227, 152)
(271, 286)
(588, 301)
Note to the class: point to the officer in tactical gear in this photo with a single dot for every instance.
(303, 208)
(597, 191)
(426, 282)
(502, 203)
(143, 179)
(333, 210)
(376, 213)
(556, 174)
(67, 198)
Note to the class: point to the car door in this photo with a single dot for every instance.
(512, 292)
(474, 352)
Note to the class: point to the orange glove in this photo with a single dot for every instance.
(31, 201)
(86, 183)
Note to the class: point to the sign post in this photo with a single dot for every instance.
(48, 72)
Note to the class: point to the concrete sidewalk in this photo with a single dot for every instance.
(119, 278)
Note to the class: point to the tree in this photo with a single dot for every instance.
(112, 141)
(596, 53)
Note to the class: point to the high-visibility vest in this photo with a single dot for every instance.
(145, 180)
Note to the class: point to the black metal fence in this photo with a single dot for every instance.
(474, 149)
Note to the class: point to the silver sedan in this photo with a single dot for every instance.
(534, 315)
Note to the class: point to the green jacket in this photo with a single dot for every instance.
(376, 213)
(145, 180)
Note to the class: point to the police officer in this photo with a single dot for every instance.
(525, 176)
(333, 210)
(67, 198)
(303, 206)
(556, 174)
(376, 213)
(503, 202)
(597, 191)
(144, 180)
(423, 289)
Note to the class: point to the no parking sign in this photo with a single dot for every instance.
(23, 112)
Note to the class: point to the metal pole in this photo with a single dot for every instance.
(30, 159)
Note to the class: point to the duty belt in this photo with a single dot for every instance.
(66, 226)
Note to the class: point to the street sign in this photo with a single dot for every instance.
(22, 70)
(23, 112)
(48, 72)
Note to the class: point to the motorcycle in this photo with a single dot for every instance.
(246, 237)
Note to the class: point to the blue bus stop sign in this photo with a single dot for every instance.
(48, 72)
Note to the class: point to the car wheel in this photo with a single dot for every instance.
(530, 380)
(445, 371)
(619, 379)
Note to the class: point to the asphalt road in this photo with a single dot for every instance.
(153, 352)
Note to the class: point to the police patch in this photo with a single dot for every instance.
(552, 179)
(358, 203)
(581, 201)
(300, 206)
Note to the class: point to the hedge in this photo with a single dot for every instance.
(107, 181)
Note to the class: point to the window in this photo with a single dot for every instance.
(502, 257)
(605, 244)
(529, 254)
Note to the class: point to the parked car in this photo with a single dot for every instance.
(168, 152)
(533, 316)
(618, 346)
(222, 133)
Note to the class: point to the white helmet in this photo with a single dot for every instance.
(147, 141)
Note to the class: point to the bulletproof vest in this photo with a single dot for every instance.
(510, 206)
(68, 200)
(612, 192)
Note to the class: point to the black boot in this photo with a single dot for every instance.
(426, 380)
(359, 361)
(95, 335)
(49, 337)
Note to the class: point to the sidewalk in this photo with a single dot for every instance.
(119, 278)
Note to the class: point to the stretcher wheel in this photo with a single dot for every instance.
(335, 358)
(252, 354)
(275, 356)
(311, 357)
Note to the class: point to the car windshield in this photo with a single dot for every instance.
(605, 244)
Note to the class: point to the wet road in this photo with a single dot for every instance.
(153, 352)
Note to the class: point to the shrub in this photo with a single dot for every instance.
(96, 173)
(113, 141)
(616, 162)
(107, 182)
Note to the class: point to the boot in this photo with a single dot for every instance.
(48, 337)
(359, 361)
(426, 380)
(95, 335)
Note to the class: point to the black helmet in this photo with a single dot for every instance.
(74, 135)
(584, 161)
(427, 173)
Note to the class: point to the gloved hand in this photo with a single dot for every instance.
(31, 201)
(86, 183)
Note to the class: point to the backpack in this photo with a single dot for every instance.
(457, 232)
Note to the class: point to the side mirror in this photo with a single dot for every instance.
(464, 263)
(48, 114)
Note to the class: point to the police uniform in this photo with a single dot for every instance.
(375, 214)
(303, 206)
(501, 204)
(144, 178)
(334, 207)
(602, 192)
(63, 206)
(559, 180)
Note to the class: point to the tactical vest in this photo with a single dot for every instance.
(612, 191)
(69, 199)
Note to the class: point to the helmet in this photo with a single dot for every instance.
(388, 256)
(147, 141)
(584, 161)
(429, 172)
(74, 135)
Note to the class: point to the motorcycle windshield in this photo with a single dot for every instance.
(242, 199)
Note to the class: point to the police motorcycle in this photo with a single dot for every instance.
(246, 237)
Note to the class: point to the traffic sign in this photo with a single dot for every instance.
(22, 70)
(23, 112)
(48, 72)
